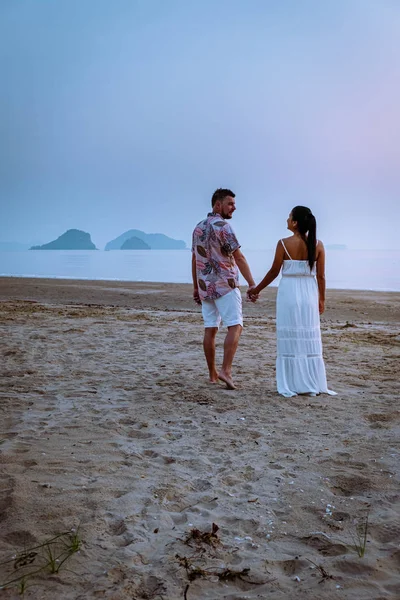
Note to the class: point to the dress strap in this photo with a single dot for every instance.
(283, 244)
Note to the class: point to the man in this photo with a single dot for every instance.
(216, 262)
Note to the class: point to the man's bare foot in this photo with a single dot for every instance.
(213, 376)
(227, 379)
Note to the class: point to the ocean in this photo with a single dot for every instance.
(377, 270)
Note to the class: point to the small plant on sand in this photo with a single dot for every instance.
(360, 536)
(48, 557)
(23, 585)
(51, 557)
(75, 541)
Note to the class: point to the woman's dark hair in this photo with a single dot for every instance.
(307, 228)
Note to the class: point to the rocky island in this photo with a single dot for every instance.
(73, 239)
(135, 243)
(155, 241)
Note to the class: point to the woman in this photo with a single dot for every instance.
(300, 300)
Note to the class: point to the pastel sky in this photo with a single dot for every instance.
(125, 114)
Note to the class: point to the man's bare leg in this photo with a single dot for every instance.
(209, 351)
(230, 347)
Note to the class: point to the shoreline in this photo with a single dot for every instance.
(108, 424)
(341, 305)
(88, 279)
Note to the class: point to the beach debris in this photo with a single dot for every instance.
(324, 574)
(224, 574)
(25, 558)
(204, 537)
(328, 510)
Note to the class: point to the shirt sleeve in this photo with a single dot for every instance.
(228, 240)
(193, 242)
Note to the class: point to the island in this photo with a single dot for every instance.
(135, 243)
(156, 241)
(73, 239)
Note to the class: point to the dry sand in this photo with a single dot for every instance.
(108, 423)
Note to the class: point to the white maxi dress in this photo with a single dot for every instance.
(300, 367)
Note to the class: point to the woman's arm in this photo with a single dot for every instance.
(274, 270)
(320, 259)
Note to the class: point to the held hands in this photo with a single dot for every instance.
(251, 295)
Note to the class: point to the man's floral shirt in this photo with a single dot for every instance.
(213, 244)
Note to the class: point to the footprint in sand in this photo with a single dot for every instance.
(6, 496)
(127, 421)
(201, 485)
(22, 538)
(350, 485)
(385, 533)
(117, 526)
(354, 567)
(139, 434)
(288, 567)
(151, 453)
(30, 463)
(383, 417)
(324, 545)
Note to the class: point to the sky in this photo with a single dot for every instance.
(128, 114)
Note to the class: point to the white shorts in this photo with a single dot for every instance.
(228, 308)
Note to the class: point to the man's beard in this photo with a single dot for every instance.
(226, 216)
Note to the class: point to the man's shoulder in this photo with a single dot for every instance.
(200, 224)
(212, 220)
(218, 223)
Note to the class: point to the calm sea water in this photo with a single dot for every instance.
(345, 269)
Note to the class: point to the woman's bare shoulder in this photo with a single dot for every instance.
(320, 250)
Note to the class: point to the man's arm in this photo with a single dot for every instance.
(320, 258)
(243, 267)
(196, 296)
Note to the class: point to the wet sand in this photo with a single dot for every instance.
(108, 424)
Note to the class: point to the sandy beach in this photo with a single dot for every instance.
(179, 489)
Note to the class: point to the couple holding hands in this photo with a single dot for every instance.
(300, 258)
